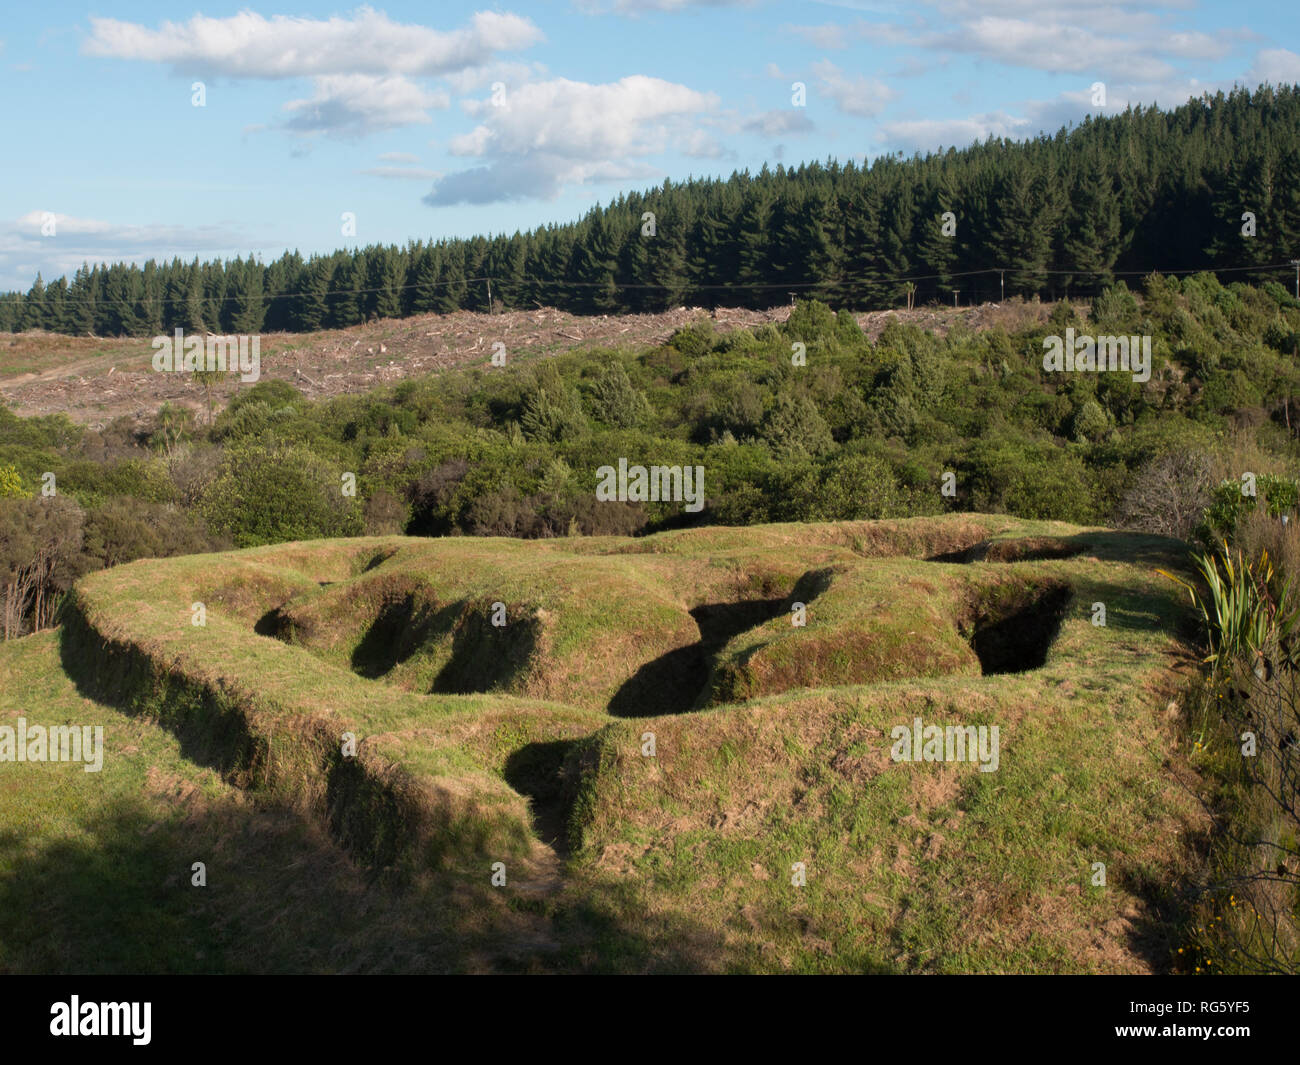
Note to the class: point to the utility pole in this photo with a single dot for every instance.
(1296, 264)
(489, 285)
(1002, 288)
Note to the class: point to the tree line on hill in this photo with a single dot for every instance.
(860, 429)
(1055, 216)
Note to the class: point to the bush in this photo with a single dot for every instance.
(856, 488)
(615, 401)
(794, 428)
(552, 415)
(385, 514)
(1227, 505)
(811, 321)
(1089, 423)
(40, 557)
(1168, 496)
(695, 339)
(11, 484)
(124, 529)
(270, 493)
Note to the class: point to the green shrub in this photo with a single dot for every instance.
(11, 483)
(794, 428)
(270, 493)
(616, 401)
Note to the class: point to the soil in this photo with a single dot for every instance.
(95, 380)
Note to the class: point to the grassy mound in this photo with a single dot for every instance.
(677, 749)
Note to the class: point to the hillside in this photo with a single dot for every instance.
(94, 380)
(525, 744)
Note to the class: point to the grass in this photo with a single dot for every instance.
(775, 753)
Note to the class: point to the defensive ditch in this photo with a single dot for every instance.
(1011, 627)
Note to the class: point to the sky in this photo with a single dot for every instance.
(140, 130)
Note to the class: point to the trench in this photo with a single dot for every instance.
(1028, 549)
(1013, 630)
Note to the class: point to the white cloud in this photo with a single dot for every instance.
(473, 79)
(782, 120)
(857, 95)
(248, 45)
(1043, 44)
(356, 104)
(361, 65)
(24, 251)
(929, 134)
(1038, 116)
(560, 132)
(1277, 65)
(1113, 39)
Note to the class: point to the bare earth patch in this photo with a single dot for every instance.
(94, 380)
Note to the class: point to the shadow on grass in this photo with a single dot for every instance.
(1139, 549)
(537, 771)
(281, 897)
(400, 629)
(1167, 913)
(679, 681)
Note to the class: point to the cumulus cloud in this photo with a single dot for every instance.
(357, 104)
(249, 45)
(854, 95)
(554, 133)
(361, 66)
(928, 134)
(1116, 38)
(474, 79)
(773, 123)
(1038, 116)
(1276, 65)
(24, 250)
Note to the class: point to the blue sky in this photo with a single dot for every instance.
(449, 119)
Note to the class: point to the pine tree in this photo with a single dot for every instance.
(190, 316)
(1094, 242)
(386, 277)
(83, 294)
(896, 242)
(754, 251)
(149, 307)
(248, 308)
(597, 259)
(344, 299)
(312, 299)
(862, 256)
(940, 238)
(34, 310)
